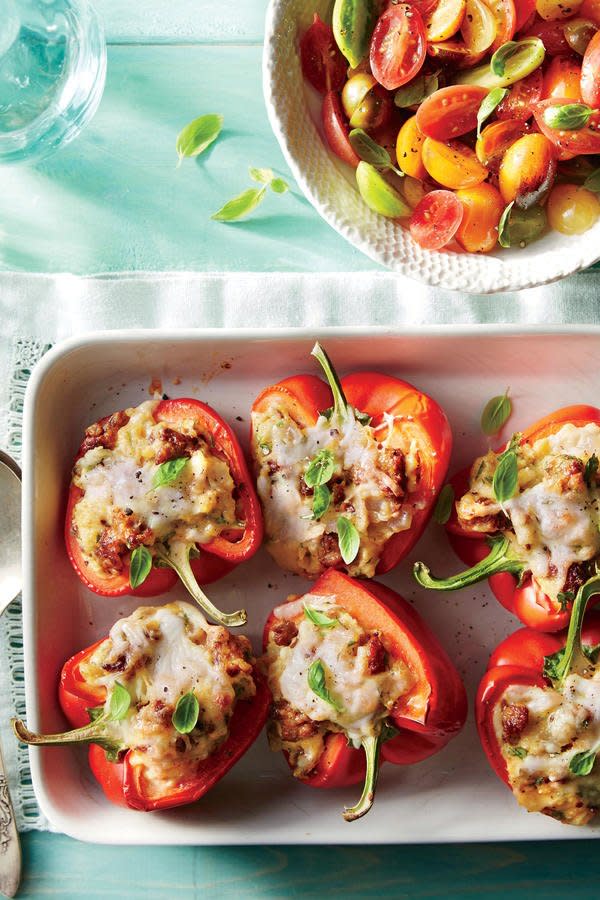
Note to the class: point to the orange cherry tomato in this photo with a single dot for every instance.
(444, 19)
(562, 79)
(482, 208)
(436, 219)
(505, 14)
(525, 11)
(590, 73)
(455, 52)
(409, 147)
(398, 46)
(478, 27)
(495, 139)
(590, 9)
(557, 10)
(518, 103)
(452, 164)
(336, 129)
(451, 111)
(527, 171)
(582, 141)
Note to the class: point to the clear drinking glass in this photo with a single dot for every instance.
(52, 72)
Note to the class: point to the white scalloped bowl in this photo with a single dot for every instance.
(329, 184)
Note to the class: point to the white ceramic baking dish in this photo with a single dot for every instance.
(452, 797)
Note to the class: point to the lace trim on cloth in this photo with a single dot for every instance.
(25, 354)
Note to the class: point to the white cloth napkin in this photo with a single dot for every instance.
(39, 310)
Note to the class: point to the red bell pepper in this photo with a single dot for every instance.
(123, 781)
(388, 403)
(532, 658)
(213, 559)
(421, 722)
(510, 581)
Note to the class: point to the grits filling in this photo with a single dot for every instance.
(121, 509)
(159, 654)
(376, 474)
(540, 730)
(553, 519)
(361, 680)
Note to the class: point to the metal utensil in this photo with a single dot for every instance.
(10, 585)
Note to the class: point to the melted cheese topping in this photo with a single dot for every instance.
(158, 654)
(117, 486)
(362, 700)
(554, 518)
(364, 488)
(559, 725)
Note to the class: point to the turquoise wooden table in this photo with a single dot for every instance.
(114, 200)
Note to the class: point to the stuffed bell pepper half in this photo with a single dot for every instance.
(348, 471)
(527, 517)
(167, 703)
(357, 678)
(158, 491)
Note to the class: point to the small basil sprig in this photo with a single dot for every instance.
(502, 55)
(198, 135)
(321, 501)
(506, 475)
(592, 182)
(417, 90)
(320, 469)
(371, 152)
(589, 473)
(348, 539)
(169, 471)
(443, 507)
(119, 703)
(568, 116)
(519, 752)
(186, 713)
(488, 105)
(140, 565)
(583, 763)
(246, 202)
(319, 618)
(318, 685)
(495, 413)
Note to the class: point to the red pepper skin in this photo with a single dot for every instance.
(528, 602)
(219, 556)
(306, 396)
(519, 659)
(429, 716)
(122, 782)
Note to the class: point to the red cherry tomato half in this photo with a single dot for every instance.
(583, 141)
(336, 129)
(524, 10)
(506, 21)
(590, 73)
(552, 35)
(322, 63)
(451, 111)
(436, 219)
(398, 46)
(519, 102)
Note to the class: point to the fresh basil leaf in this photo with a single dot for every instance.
(502, 55)
(169, 471)
(198, 135)
(503, 233)
(506, 475)
(388, 732)
(521, 752)
(264, 176)
(348, 539)
(583, 763)
(95, 712)
(119, 702)
(568, 116)
(362, 417)
(368, 149)
(321, 500)
(240, 206)
(140, 565)
(552, 663)
(186, 713)
(495, 413)
(564, 598)
(519, 227)
(443, 507)
(417, 90)
(320, 469)
(592, 182)
(279, 186)
(319, 618)
(489, 104)
(589, 473)
(318, 685)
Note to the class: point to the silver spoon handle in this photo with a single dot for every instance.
(10, 847)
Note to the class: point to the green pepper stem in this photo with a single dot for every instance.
(178, 558)
(574, 655)
(95, 732)
(499, 559)
(340, 404)
(371, 746)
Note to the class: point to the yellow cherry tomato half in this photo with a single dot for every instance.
(482, 209)
(557, 9)
(444, 19)
(527, 170)
(409, 147)
(452, 164)
(478, 27)
(572, 209)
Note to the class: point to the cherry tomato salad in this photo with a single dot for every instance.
(474, 122)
